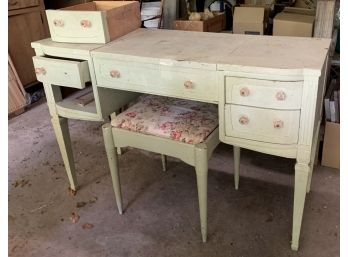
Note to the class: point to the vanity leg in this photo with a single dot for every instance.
(61, 129)
(113, 164)
(236, 154)
(201, 166)
(301, 180)
(164, 162)
(313, 155)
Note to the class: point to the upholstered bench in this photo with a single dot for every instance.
(184, 129)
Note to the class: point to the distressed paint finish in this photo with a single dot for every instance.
(161, 64)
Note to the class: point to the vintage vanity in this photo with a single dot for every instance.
(269, 90)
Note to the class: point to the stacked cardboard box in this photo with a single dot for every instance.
(252, 17)
(295, 22)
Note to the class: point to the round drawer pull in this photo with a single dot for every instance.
(39, 71)
(115, 74)
(188, 84)
(280, 95)
(85, 23)
(58, 23)
(277, 124)
(244, 120)
(244, 91)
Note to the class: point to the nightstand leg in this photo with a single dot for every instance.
(236, 159)
(61, 129)
(301, 181)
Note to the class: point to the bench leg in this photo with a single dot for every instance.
(236, 159)
(164, 162)
(201, 166)
(61, 129)
(113, 163)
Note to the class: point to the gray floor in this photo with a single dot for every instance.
(161, 216)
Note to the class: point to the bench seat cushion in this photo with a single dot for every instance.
(177, 119)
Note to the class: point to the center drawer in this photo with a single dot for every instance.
(264, 93)
(62, 72)
(266, 125)
(153, 78)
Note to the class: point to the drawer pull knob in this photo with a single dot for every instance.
(58, 23)
(244, 120)
(115, 74)
(39, 71)
(85, 23)
(280, 95)
(244, 91)
(278, 124)
(188, 84)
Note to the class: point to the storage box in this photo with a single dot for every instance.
(94, 22)
(215, 24)
(296, 22)
(249, 20)
(331, 147)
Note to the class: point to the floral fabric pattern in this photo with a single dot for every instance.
(177, 119)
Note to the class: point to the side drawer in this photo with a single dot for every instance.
(264, 93)
(187, 83)
(61, 72)
(266, 125)
(65, 26)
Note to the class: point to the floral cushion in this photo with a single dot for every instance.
(182, 120)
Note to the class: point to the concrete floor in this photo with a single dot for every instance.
(161, 210)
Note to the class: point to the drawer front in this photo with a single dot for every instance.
(266, 125)
(264, 93)
(172, 81)
(61, 72)
(19, 4)
(77, 26)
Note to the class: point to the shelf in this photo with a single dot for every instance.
(79, 105)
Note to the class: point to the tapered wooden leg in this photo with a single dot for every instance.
(301, 181)
(202, 177)
(164, 162)
(113, 163)
(313, 155)
(61, 129)
(236, 154)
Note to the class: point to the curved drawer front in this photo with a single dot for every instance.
(77, 26)
(157, 79)
(68, 73)
(272, 126)
(264, 93)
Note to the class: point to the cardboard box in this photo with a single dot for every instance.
(331, 147)
(295, 22)
(215, 24)
(249, 20)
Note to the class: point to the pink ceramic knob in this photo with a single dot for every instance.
(39, 71)
(244, 91)
(85, 23)
(58, 23)
(188, 84)
(115, 74)
(244, 120)
(280, 95)
(278, 124)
